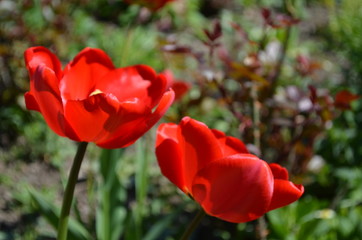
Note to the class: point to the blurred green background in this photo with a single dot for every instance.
(121, 194)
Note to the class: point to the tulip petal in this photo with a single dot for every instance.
(164, 104)
(47, 96)
(166, 131)
(98, 116)
(229, 145)
(278, 171)
(30, 102)
(285, 192)
(81, 74)
(125, 83)
(156, 90)
(138, 81)
(237, 188)
(36, 56)
(199, 146)
(169, 155)
(130, 131)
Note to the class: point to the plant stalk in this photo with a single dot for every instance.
(261, 228)
(69, 191)
(195, 222)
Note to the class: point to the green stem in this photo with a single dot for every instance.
(195, 222)
(69, 191)
(106, 214)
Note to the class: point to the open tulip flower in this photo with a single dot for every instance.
(91, 100)
(218, 172)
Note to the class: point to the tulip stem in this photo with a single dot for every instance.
(192, 226)
(69, 191)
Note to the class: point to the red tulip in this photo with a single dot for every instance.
(218, 172)
(153, 5)
(91, 100)
(179, 87)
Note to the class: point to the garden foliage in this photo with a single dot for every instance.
(285, 77)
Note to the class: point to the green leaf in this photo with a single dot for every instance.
(111, 212)
(52, 213)
(141, 179)
(159, 227)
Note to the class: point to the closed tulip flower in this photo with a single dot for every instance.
(218, 172)
(91, 100)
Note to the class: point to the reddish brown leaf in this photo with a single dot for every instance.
(344, 98)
